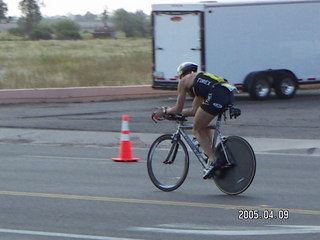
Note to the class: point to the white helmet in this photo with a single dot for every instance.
(186, 67)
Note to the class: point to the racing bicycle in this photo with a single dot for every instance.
(168, 157)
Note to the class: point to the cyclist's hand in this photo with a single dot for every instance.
(158, 115)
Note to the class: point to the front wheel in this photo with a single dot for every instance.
(237, 178)
(168, 162)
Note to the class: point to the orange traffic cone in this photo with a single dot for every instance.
(125, 153)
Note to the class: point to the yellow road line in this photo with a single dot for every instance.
(155, 202)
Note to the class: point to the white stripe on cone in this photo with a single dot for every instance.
(125, 126)
(124, 137)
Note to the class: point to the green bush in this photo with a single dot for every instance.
(66, 30)
(41, 33)
(16, 32)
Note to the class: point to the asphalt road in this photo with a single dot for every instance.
(297, 118)
(63, 192)
(66, 191)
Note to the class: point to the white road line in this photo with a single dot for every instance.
(235, 231)
(39, 157)
(61, 235)
(65, 157)
(278, 153)
(287, 154)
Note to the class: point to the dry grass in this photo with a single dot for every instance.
(49, 64)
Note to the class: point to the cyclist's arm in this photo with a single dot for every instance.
(190, 112)
(182, 92)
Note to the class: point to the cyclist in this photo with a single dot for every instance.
(211, 95)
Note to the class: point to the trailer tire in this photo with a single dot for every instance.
(259, 86)
(285, 85)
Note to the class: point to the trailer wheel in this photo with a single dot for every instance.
(285, 85)
(260, 87)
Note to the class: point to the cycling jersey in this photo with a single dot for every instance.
(203, 83)
(216, 92)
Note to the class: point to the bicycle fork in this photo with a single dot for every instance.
(173, 149)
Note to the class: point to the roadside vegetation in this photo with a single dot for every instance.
(54, 63)
(57, 52)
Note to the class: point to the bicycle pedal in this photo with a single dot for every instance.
(217, 174)
(210, 174)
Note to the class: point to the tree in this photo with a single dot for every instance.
(67, 29)
(31, 15)
(105, 17)
(3, 10)
(41, 32)
(90, 17)
(132, 24)
(142, 24)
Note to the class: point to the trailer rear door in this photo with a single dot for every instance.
(177, 38)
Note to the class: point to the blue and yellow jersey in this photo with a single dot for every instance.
(204, 82)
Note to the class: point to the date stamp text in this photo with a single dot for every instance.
(267, 214)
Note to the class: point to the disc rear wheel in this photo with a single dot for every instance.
(237, 178)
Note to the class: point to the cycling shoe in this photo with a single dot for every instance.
(209, 171)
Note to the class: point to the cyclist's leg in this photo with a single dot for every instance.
(209, 109)
(217, 100)
(204, 135)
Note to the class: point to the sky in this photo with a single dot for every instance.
(65, 7)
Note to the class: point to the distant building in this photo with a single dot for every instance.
(104, 32)
(98, 29)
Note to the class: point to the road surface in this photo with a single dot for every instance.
(57, 179)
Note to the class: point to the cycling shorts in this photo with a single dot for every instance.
(217, 100)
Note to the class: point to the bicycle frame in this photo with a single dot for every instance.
(217, 136)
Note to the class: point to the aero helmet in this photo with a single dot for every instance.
(186, 68)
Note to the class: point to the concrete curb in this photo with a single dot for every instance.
(86, 94)
(80, 94)
(308, 147)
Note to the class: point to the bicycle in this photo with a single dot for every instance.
(168, 157)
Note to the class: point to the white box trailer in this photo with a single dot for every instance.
(257, 46)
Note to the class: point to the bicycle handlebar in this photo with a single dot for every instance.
(170, 117)
(233, 113)
(177, 117)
